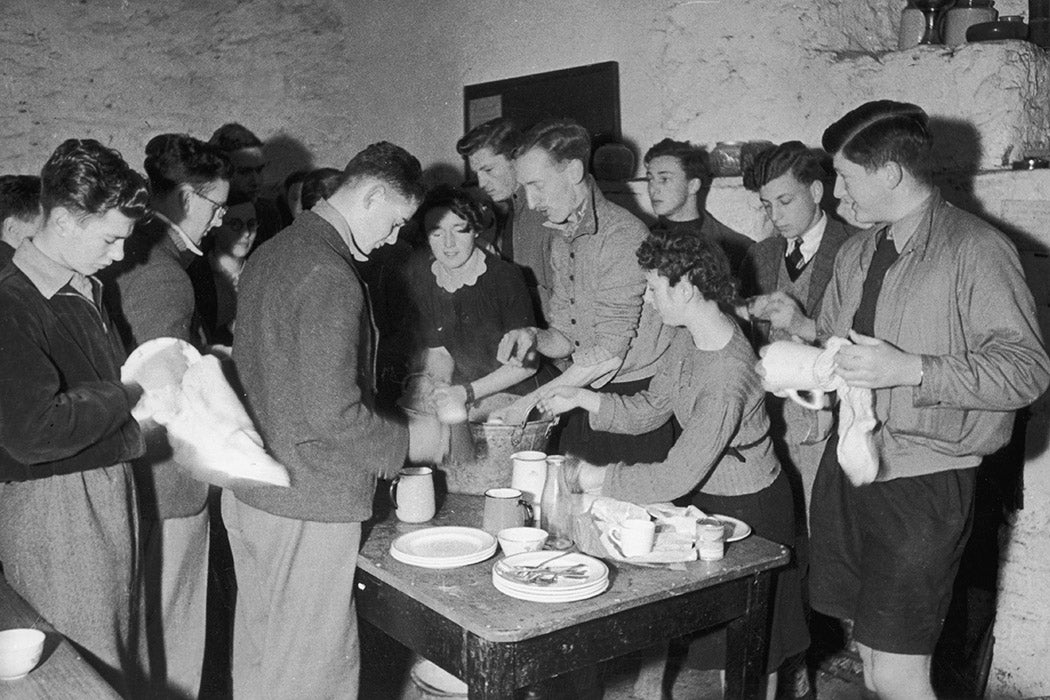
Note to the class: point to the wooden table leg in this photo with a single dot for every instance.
(490, 670)
(747, 643)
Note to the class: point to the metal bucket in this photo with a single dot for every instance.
(431, 682)
(488, 465)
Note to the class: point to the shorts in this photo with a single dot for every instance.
(885, 555)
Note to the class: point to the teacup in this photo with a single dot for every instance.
(634, 536)
(20, 651)
(787, 368)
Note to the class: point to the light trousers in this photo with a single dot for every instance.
(176, 598)
(295, 625)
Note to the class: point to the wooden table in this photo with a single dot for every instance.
(62, 671)
(496, 644)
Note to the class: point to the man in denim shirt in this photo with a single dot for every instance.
(944, 332)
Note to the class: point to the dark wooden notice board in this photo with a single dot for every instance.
(588, 94)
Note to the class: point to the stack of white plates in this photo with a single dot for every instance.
(562, 590)
(443, 547)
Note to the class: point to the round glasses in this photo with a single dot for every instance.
(220, 209)
(238, 225)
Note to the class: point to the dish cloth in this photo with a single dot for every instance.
(209, 431)
(856, 449)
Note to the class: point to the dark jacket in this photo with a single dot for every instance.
(63, 408)
(151, 297)
(304, 353)
(734, 244)
(763, 265)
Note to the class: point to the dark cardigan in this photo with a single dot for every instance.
(304, 351)
(63, 408)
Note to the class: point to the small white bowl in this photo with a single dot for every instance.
(20, 651)
(515, 540)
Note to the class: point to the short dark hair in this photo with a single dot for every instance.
(562, 139)
(805, 165)
(702, 262)
(693, 159)
(882, 131)
(501, 134)
(177, 159)
(19, 197)
(319, 184)
(456, 200)
(389, 163)
(233, 137)
(89, 178)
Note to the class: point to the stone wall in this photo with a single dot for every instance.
(321, 78)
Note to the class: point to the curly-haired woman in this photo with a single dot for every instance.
(723, 461)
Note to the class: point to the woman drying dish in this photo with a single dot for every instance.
(724, 458)
(465, 299)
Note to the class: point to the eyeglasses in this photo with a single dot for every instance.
(220, 209)
(237, 225)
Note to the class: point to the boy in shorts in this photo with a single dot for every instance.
(944, 332)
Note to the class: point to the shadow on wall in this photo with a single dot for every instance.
(442, 174)
(957, 151)
(284, 155)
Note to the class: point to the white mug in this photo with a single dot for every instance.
(529, 474)
(635, 536)
(787, 368)
(412, 493)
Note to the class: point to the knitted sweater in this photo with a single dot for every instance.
(304, 352)
(717, 398)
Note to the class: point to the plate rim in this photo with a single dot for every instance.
(501, 582)
(444, 563)
(734, 538)
(601, 567)
(564, 599)
(484, 539)
(487, 543)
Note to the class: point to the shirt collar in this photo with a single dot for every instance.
(911, 224)
(812, 237)
(330, 214)
(182, 242)
(48, 275)
(578, 220)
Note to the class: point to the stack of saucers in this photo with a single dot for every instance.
(544, 577)
(443, 547)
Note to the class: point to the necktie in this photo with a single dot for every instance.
(795, 263)
(884, 257)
